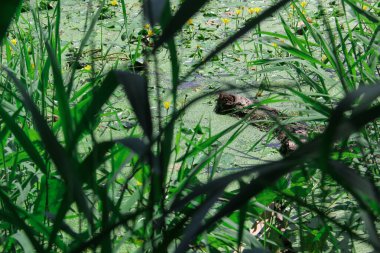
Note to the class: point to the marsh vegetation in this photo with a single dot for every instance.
(112, 139)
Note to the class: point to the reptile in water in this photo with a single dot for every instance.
(261, 116)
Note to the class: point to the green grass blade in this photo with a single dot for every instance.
(62, 98)
(23, 139)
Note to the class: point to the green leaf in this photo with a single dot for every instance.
(7, 11)
(136, 89)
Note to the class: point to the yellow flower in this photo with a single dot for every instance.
(251, 10)
(225, 21)
(150, 33)
(365, 7)
(257, 10)
(238, 12)
(147, 26)
(114, 3)
(14, 42)
(303, 4)
(324, 58)
(274, 44)
(87, 67)
(167, 105)
(190, 21)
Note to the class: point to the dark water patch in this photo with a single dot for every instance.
(188, 85)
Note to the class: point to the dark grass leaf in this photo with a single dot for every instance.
(322, 213)
(369, 221)
(249, 25)
(255, 251)
(266, 176)
(242, 220)
(362, 12)
(222, 182)
(166, 146)
(23, 139)
(190, 232)
(185, 12)
(97, 238)
(87, 168)
(136, 145)
(59, 219)
(153, 10)
(7, 11)
(363, 191)
(339, 127)
(359, 186)
(136, 89)
(64, 163)
(12, 216)
(100, 96)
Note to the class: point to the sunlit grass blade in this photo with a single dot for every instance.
(316, 105)
(63, 101)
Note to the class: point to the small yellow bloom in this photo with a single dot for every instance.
(257, 10)
(238, 12)
(251, 10)
(150, 33)
(282, 40)
(225, 21)
(14, 42)
(190, 21)
(324, 58)
(167, 105)
(87, 67)
(274, 44)
(365, 7)
(303, 4)
(147, 26)
(114, 3)
(292, 7)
